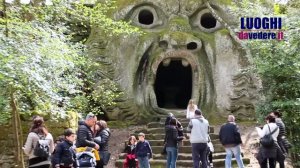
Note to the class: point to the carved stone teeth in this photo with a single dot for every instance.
(166, 62)
(184, 62)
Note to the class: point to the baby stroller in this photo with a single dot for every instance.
(86, 157)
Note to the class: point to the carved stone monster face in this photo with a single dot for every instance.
(184, 54)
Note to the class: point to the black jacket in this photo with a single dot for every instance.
(130, 149)
(143, 149)
(64, 154)
(84, 136)
(281, 138)
(230, 135)
(273, 152)
(281, 127)
(103, 143)
(171, 137)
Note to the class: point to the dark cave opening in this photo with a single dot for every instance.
(173, 85)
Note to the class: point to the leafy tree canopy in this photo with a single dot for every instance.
(42, 65)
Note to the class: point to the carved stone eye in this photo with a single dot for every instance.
(206, 21)
(146, 17)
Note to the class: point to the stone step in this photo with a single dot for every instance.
(187, 149)
(183, 143)
(162, 124)
(148, 137)
(181, 156)
(154, 163)
(161, 130)
(178, 115)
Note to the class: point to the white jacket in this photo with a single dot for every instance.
(191, 114)
(265, 130)
(199, 128)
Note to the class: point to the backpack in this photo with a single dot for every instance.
(85, 159)
(42, 147)
(268, 141)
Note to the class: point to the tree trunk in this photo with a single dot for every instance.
(16, 125)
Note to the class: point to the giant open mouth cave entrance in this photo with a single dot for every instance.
(173, 85)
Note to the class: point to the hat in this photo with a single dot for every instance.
(141, 134)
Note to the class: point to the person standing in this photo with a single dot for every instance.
(190, 111)
(64, 155)
(281, 139)
(199, 128)
(130, 161)
(38, 132)
(143, 151)
(230, 138)
(85, 134)
(102, 139)
(171, 141)
(268, 154)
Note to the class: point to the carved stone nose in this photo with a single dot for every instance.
(194, 45)
(191, 44)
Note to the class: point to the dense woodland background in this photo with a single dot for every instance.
(37, 80)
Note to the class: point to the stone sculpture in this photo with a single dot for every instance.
(184, 53)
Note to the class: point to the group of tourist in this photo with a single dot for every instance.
(92, 137)
(278, 149)
(230, 138)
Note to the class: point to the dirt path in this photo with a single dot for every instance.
(249, 137)
(116, 142)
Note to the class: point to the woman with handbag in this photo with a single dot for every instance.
(269, 150)
(102, 138)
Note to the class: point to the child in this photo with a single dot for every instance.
(130, 161)
(143, 151)
(64, 156)
(190, 111)
(210, 152)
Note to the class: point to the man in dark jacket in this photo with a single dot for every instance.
(84, 133)
(230, 138)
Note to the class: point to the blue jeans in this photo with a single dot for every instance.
(172, 153)
(199, 154)
(143, 162)
(237, 154)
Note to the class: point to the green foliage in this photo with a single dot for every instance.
(38, 63)
(278, 64)
(44, 67)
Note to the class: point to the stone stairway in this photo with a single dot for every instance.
(155, 133)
